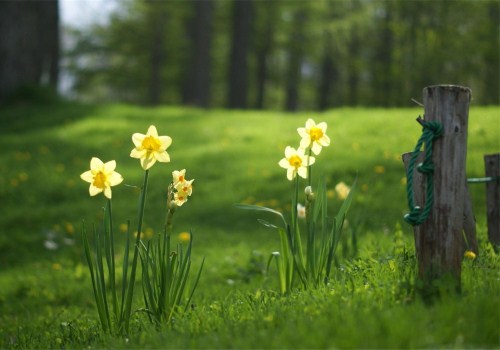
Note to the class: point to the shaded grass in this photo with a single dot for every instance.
(46, 298)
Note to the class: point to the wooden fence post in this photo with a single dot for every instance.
(492, 168)
(439, 240)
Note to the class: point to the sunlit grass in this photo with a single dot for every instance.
(233, 157)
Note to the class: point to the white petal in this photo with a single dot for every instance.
(322, 126)
(311, 160)
(289, 151)
(162, 157)
(152, 131)
(87, 176)
(310, 123)
(165, 141)
(325, 140)
(316, 148)
(290, 173)
(107, 192)
(94, 190)
(137, 139)
(302, 132)
(109, 167)
(302, 172)
(96, 164)
(284, 163)
(305, 142)
(115, 179)
(147, 162)
(135, 153)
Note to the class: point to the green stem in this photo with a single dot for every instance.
(112, 279)
(309, 168)
(130, 291)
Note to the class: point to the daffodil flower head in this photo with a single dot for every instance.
(179, 176)
(314, 136)
(296, 162)
(180, 197)
(150, 148)
(181, 188)
(186, 186)
(342, 190)
(101, 177)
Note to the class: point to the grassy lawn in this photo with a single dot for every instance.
(46, 298)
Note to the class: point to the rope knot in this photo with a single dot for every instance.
(435, 127)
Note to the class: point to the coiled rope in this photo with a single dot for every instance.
(431, 130)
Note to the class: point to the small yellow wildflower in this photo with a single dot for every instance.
(314, 136)
(469, 254)
(296, 162)
(150, 148)
(342, 190)
(101, 177)
(184, 236)
(379, 169)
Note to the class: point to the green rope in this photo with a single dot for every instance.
(431, 131)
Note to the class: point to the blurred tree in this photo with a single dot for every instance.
(263, 42)
(295, 56)
(289, 54)
(198, 70)
(29, 45)
(240, 45)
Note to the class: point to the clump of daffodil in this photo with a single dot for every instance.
(150, 148)
(101, 177)
(310, 266)
(296, 162)
(165, 272)
(314, 136)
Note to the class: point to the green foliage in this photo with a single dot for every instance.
(350, 53)
(46, 299)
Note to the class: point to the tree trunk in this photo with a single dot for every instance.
(238, 65)
(329, 75)
(198, 71)
(29, 44)
(157, 53)
(295, 56)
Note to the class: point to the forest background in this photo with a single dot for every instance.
(291, 55)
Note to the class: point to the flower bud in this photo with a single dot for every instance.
(308, 190)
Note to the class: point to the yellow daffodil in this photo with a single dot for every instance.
(150, 148)
(101, 177)
(296, 162)
(342, 190)
(314, 136)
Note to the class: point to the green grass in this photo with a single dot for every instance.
(46, 297)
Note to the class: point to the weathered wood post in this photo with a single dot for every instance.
(492, 168)
(439, 239)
